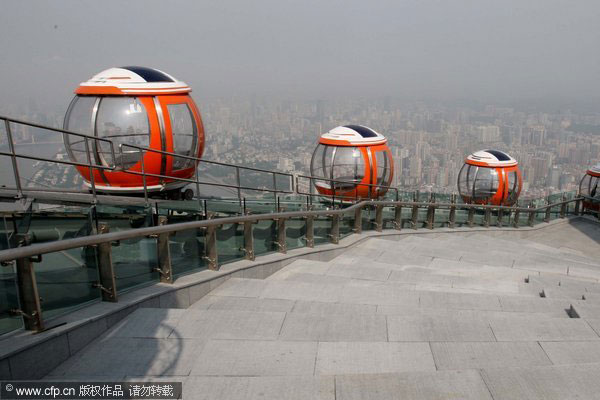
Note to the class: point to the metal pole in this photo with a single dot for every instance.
(248, 241)
(487, 217)
(211, 248)
(563, 206)
(577, 207)
(108, 283)
(452, 216)
(29, 298)
(13, 156)
(517, 217)
(274, 184)
(415, 216)
(398, 217)
(500, 215)
(197, 187)
(379, 218)
(531, 215)
(144, 178)
(238, 182)
(165, 268)
(335, 229)
(548, 210)
(471, 217)
(92, 179)
(358, 220)
(281, 238)
(310, 231)
(431, 216)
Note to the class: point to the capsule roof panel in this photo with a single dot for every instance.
(352, 135)
(132, 80)
(491, 158)
(595, 170)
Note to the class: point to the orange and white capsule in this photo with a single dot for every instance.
(356, 162)
(490, 177)
(141, 107)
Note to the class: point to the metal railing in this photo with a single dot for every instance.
(113, 166)
(336, 196)
(211, 232)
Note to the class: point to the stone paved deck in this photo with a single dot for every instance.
(452, 316)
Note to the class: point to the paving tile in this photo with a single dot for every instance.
(359, 271)
(302, 291)
(544, 383)
(465, 301)
(259, 388)
(117, 357)
(477, 355)
(244, 304)
(572, 352)
(438, 329)
(222, 324)
(383, 294)
(148, 323)
(317, 308)
(533, 304)
(256, 358)
(369, 358)
(545, 329)
(240, 287)
(331, 328)
(443, 385)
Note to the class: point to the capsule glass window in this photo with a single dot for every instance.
(348, 166)
(184, 131)
(124, 121)
(486, 184)
(79, 119)
(384, 171)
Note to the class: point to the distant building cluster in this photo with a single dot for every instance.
(428, 142)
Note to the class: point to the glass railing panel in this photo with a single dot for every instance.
(295, 233)
(9, 300)
(66, 280)
(442, 215)
(388, 218)
(322, 229)
(368, 218)
(134, 260)
(187, 250)
(265, 235)
(230, 242)
(461, 218)
(346, 224)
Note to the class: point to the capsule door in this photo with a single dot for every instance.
(184, 134)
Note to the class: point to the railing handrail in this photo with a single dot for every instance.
(96, 239)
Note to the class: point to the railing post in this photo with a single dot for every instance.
(335, 228)
(577, 207)
(452, 215)
(516, 217)
(487, 217)
(398, 217)
(165, 268)
(91, 171)
(238, 184)
(548, 210)
(212, 255)
(310, 231)
(431, 216)
(281, 242)
(29, 298)
(15, 165)
(471, 217)
(358, 220)
(531, 215)
(415, 216)
(563, 206)
(379, 217)
(500, 216)
(248, 241)
(108, 282)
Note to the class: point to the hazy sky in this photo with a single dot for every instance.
(449, 49)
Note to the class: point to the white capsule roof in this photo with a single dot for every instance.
(352, 135)
(132, 80)
(491, 158)
(595, 170)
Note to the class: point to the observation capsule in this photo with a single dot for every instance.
(143, 112)
(490, 177)
(354, 162)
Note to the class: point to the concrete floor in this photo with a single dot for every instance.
(447, 316)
